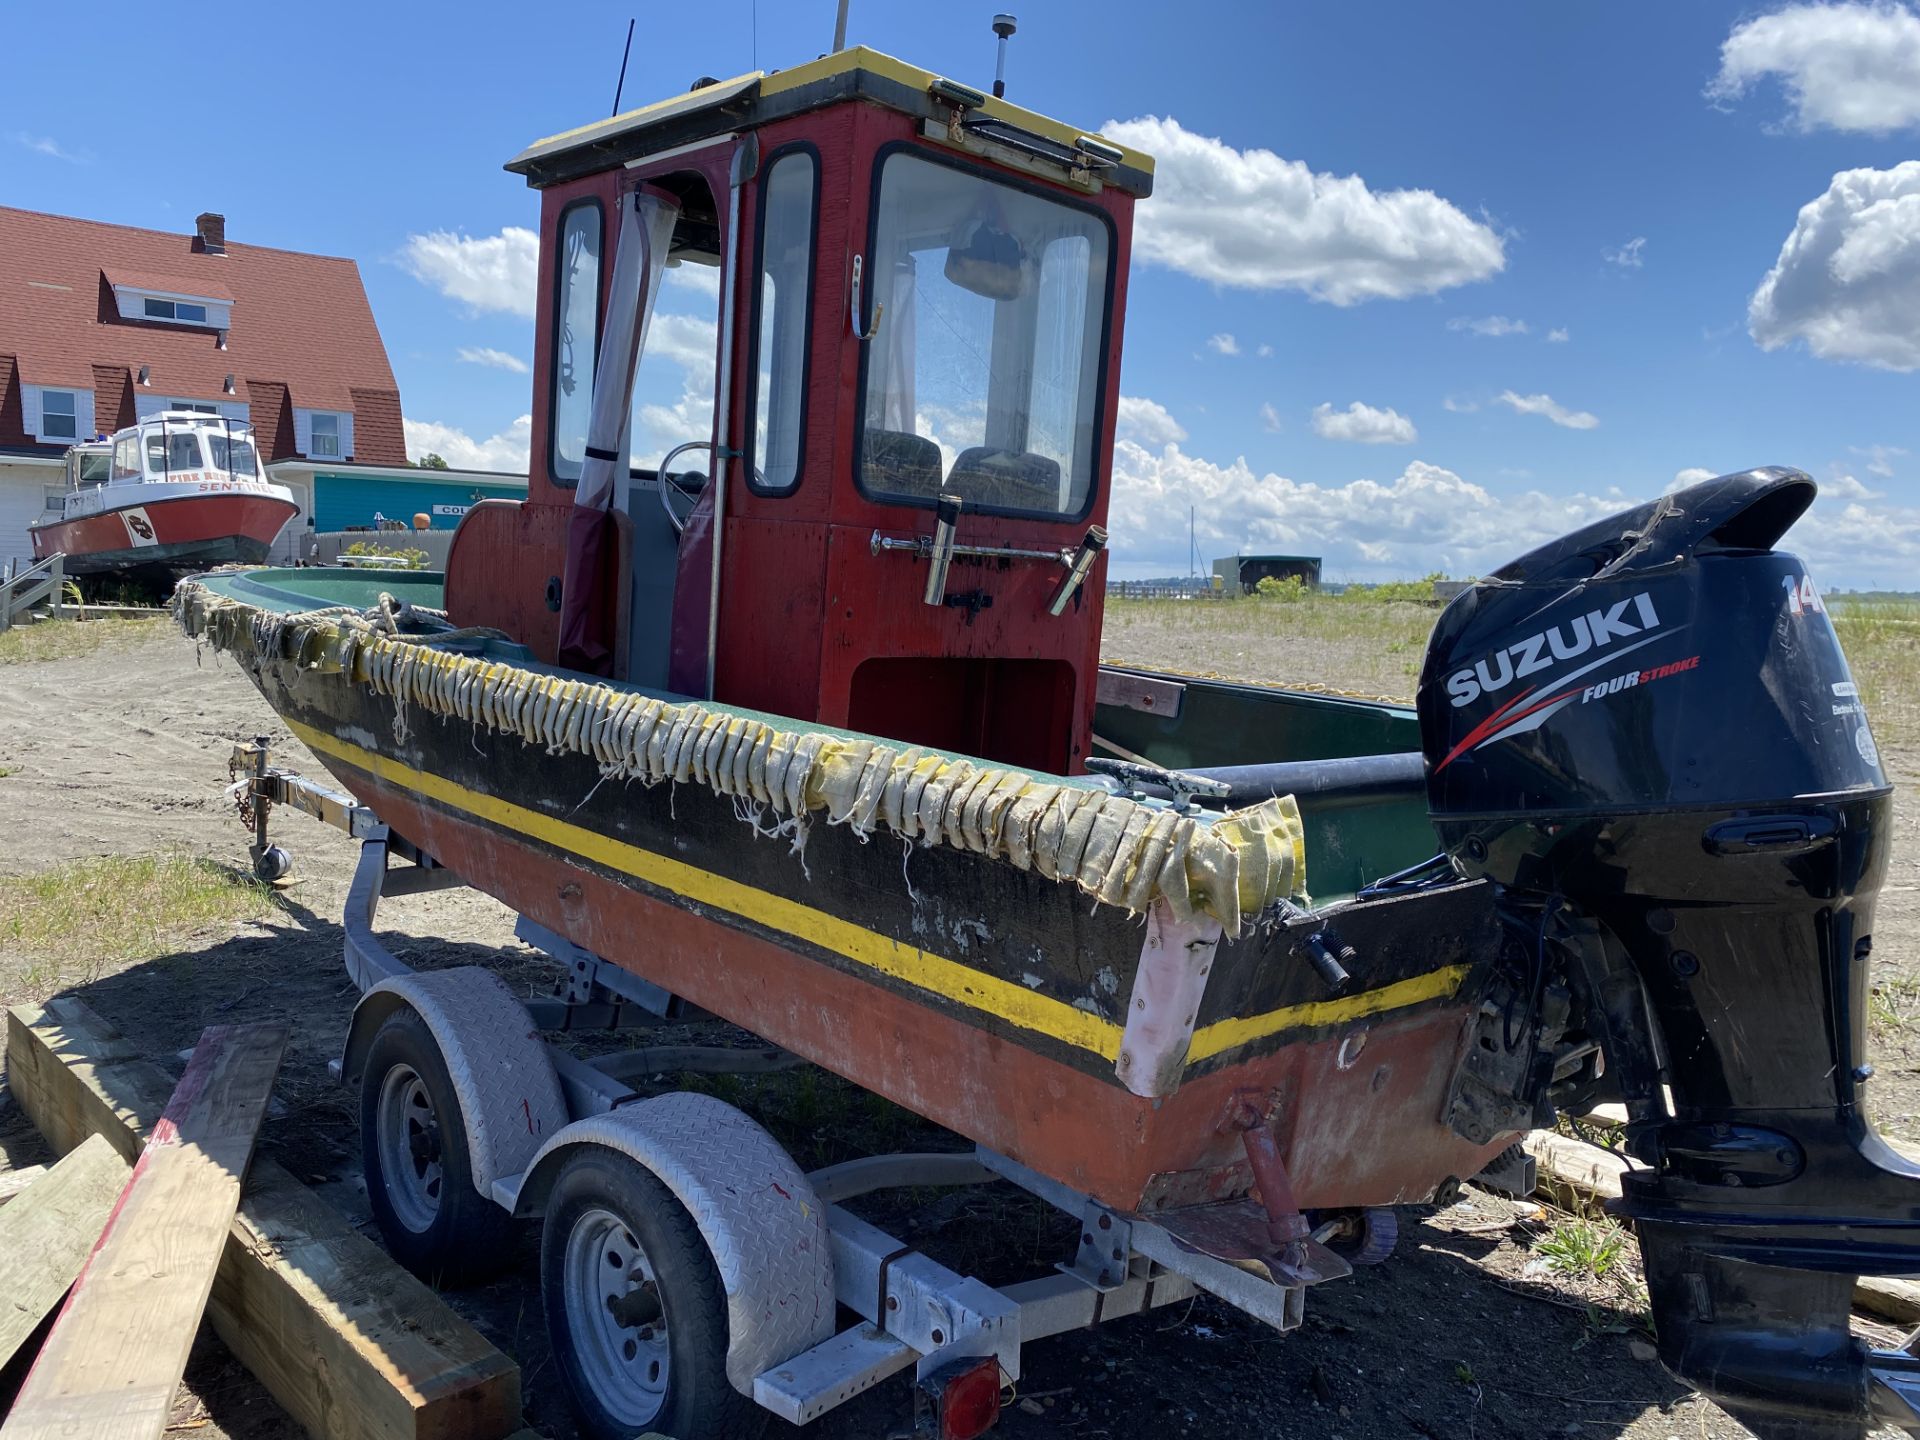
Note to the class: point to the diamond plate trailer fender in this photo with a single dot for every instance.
(510, 1100)
(753, 1206)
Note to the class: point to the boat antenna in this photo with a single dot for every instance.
(840, 28)
(1003, 25)
(621, 83)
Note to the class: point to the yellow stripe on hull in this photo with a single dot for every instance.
(962, 984)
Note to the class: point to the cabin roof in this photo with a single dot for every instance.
(758, 97)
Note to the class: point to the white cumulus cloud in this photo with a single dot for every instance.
(1223, 344)
(485, 272)
(1848, 278)
(1363, 425)
(1849, 67)
(1251, 219)
(506, 451)
(493, 359)
(1491, 326)
(51, 148)
(1147, 421)
(1558, 336)
(1429, 518)
(1692, 475)
(1269, 416)
(1551, 408)
(1630, 256)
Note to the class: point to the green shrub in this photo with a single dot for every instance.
(398, 558)
(1275, 587)
(1419, 592)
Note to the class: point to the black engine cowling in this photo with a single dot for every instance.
(1647, 734)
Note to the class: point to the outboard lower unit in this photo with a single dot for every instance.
(1646, 734)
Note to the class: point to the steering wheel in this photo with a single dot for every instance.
(670, 486)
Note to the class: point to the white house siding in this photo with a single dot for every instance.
(287, 548)
(23, 490)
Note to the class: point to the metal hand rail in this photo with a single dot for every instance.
(44, 580)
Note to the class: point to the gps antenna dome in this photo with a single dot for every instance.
(1003, 26)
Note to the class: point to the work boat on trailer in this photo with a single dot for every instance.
(179, 492)
(809, 732)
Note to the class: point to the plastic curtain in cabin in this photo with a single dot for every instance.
(589, 597)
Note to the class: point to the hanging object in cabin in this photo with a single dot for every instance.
(588, 603)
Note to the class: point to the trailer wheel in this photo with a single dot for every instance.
(413, 1143)
(635, 1307)
(271, 864)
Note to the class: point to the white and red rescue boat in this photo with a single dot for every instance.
(179, 492)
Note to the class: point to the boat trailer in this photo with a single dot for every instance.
(524, 1103)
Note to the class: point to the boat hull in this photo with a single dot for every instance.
(172, 537)
(986, 998)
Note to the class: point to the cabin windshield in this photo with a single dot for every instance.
(176, 450)
(983, 374)
(90, 467)
(234, 455)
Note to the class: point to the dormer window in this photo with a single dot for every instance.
(181, 312)
(171, 300)
(323, 434)
(58, 416)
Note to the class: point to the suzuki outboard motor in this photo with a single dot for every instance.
(1646, 734)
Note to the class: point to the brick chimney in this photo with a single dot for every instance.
(213, 232)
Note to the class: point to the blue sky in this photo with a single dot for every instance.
(1370, 200)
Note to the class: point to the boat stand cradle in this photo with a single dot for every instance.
(525, 1103)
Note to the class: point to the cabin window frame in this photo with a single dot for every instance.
(751, 410)
(555, 477)
(1012, 181)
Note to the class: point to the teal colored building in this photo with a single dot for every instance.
(334, 496)
(344, 500)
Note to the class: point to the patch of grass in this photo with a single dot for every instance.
(1354, 643)
(1882, 639)
(73, 921)
(72, 639)
(6, 770)
(1892, 1004)
(1582, 1249)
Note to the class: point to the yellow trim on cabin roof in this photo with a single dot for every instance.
(962, 984)
(626, 115)
(859, 57)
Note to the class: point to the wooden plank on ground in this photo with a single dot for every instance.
(1578, 1176)
(109, 1369)
(348, 1343)
(46, 1236)
(12, 1182)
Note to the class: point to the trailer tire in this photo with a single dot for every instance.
(413, 1142)
(608, 1216)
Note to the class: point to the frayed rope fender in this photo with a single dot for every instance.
(1119, 851)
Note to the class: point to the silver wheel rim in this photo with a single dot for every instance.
(408, 1137)
(616, 1319)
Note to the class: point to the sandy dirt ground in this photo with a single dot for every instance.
(1464, 1335)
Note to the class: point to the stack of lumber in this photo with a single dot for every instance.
(143, 1224)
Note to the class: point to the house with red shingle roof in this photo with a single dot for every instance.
(102, 325)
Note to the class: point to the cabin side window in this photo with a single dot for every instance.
(576, 339)
(126, 457)
(783, 301)
(988, 302)
(168, 453)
